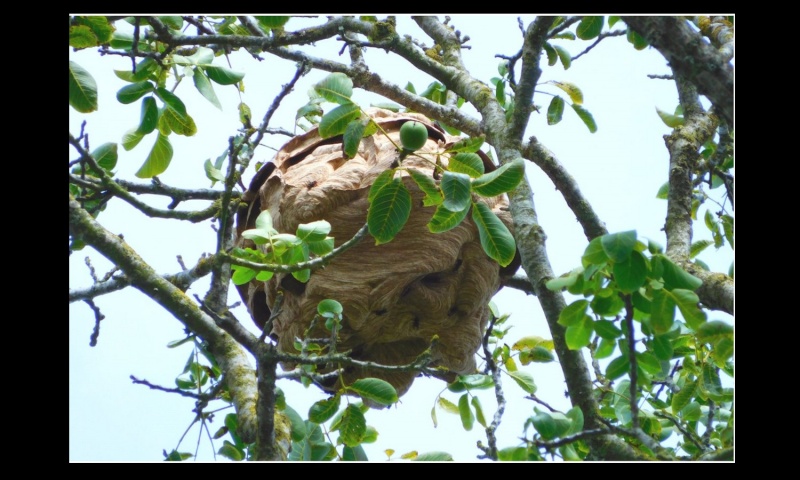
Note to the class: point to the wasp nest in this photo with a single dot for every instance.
(396, 296)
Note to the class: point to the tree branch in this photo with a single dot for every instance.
(691, 57)
(231, 357)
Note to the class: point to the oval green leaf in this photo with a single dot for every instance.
(563, 55)
(467, 418)
(455, 188)
(555, 111)
(573, 313)
(466, 162)
(149, 116)
(676, 277)
(687, 301)
(502, 180)
(618, 246)
(714, 330)
(631, 273)
(82, 89)
(131, 138)
(476, 404)
(594, 254)
(589, 28)
(617, 368)
(352, 426)
(158, 159)
(545, 425)
(587, 117)
(428, 186)
(444, 220)
(314, 231)
(579, 334)
(524, 380)
(222, 75)
(204, 86)
(106, 155)
(328, 308)
(375, 389)
(607, 329)
(662, 312)
(352, 136)
(336, 87)
(467, 145)
(323, 410)
(496, 239)
(335, 122)
(389, 211)
(433, 457)
(135, 91)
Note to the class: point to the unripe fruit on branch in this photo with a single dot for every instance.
(413, 135)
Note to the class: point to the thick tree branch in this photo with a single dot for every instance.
(231, 357)
(689, 55)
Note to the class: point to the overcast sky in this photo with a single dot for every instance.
(619, 169)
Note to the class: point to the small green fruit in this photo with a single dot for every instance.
(413, 135)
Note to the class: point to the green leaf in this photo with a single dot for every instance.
(545, 425)
(222, 75)
(352, 137)
(587, 117)
(538, 354)
(552, 56)
(444, 220)
(563, 55)
(638, 41)
(502, 180)
(242, 275)
(684, 396)
(388, 211)
(476, 404)
(131, 138)
(662, 312)
(714, 331)
(467, 418)
(648, 362)
(605, 349)
(203, 56)
(617, 368)
(229, 450)
(589, 28)
(335, 122)
(433, 457)
(727, 227)
(353, 426)
(565, 280)
(496, 239)
(607, 306)
(663, 191)
(468, 145)
(135, 91)
(594, 254)
(299, 429)
(575, 93)
(314, 231)
(149, 116)
(555, 111)
(631, 273)
(698, 247)
(575, 415)
(425, 183)
(607, 329)
(204, 86)
(500, 92)
(375, 389)
(323, 410)
(180, 124)
(456, 191)
(662, 347)
(676, 277)
(82, 89)
(158, 159)
(81, 36)
(329, 308)
(524, 380)
(336, 87)
(106, 155)
(475, 381)
(618, 246)
(687, 301)
(176, 456)
(268, 22)
(573, 313)
(447, 405)
(579, 334)
(672, 121)
(469, 163)
(380, 181)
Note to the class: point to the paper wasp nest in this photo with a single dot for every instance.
(396, 296)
